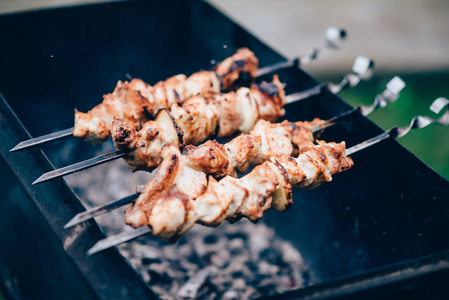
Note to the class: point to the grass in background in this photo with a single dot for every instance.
(430, 144)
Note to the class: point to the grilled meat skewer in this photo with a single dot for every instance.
(172, 214)
(136, 101)
(198, 119)
(362, 68)
(188, 173)
(389, 95)
(144, 148)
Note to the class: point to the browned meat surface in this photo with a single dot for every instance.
(91, 128)
(199, 118)
(204, 83)
(242, 64)
(196, 118)
(270, 98)
(172, 175)
(143, 147)
(268, 185)
(231, 116)
(162, 182)
(126, 102)
(264, 141)
(135, 101)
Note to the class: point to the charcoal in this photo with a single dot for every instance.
(250, 293)
(296, 275)
(290, 254)
(239, 284)
(236, 243)
(231, 295)
(266, 285)
(191, 287)
(150, 260)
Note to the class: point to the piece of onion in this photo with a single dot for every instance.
(173, 134)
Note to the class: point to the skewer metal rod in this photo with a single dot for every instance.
(417, 122)
(43, 139)
(100, 210)
(118, 239)
(368, 143)
(80, 166)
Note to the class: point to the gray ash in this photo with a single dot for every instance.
(232, 261)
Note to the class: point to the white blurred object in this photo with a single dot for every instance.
(335, 36)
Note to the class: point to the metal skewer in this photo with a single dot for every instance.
(395, 132)
(118, 239)
(391, 94)
(43, 139)
(290, 99)
(362, 69)
(334, 39)
(85, 164)
(100, 210)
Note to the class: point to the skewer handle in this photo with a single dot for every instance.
(335, 37)
(417, 122)
(391, 93)
(394, 87)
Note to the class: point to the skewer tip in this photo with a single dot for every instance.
(95, 249)
(41, 179)
(16, 147)
(97, 211)
(118, 239)
(43, 139)
(74, 221)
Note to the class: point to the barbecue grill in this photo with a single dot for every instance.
(379, 229)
